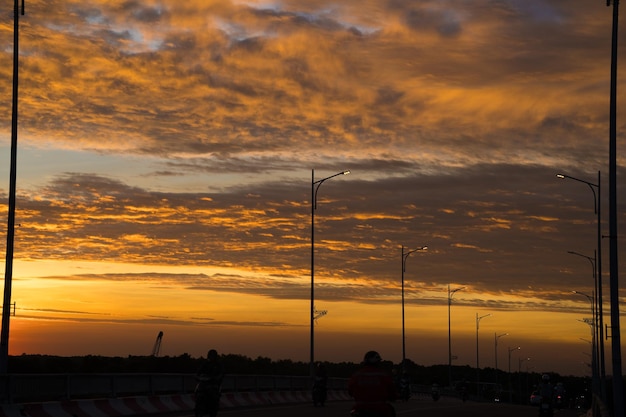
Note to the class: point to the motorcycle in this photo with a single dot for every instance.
(319, 393)
(207, 398)
(545, 408)
(436, 395)
(404, 392)
(435, 392)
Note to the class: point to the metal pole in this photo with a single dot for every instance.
(8, 274)
(597, 262)
(618, 390)
(594, 314)
(449, 340)
(594, 363)
(496, 337)
(404, 258)
(478, 319)
(315, 185)
(477, 366)
(450, 294)
(510, 383)
(600, 313)
(312, 309)
(403, 343)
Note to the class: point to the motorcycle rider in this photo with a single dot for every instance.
(404, 385)
(372, 388)
(208, 391)
(434, 390)
(546, 390)
(319, 385)
(212, 368)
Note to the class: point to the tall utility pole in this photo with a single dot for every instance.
(597, 265)
(315, 185)
(618, 390)
(8, 273)
(450, 294)
(496, 337)
(405, 255)
(478, 319)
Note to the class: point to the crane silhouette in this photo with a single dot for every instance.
(157, 344)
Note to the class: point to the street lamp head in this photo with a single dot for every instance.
(346, 172)
(417, 249)
(571, 252)
(590, 184)
(457, 289)
(405, 255)
(590, 298)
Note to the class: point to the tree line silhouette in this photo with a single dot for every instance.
(240, 364)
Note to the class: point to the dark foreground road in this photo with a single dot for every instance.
(421, 408)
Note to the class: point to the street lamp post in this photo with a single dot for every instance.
(597, 203)
(450, 294)
(478, 319)
(404, 258)
(594, 348)
(315, 185)
(597, 334)
(519, 376)
(8, 267)
(512, 350)
(496, 337)
(510, 384)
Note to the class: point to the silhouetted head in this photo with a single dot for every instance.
(212, 355)
(545, 378)
(372, 358)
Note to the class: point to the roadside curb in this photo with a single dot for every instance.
(133, 406)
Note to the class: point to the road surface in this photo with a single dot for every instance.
(418, 407)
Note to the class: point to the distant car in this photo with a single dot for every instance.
(535, 398)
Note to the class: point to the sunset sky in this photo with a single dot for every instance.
(164, 176)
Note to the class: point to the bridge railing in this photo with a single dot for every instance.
(26, 388)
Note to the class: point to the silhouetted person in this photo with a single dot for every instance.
(435, 391)
(211, 369)
(546, 390)
(372, 388)
(319, 385)
(208, 390)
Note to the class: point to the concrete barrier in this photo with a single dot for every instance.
(132, 406)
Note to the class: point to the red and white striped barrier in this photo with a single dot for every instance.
(131, 406)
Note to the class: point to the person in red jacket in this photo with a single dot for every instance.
(372, 388)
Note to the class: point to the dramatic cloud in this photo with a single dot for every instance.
(161, 133)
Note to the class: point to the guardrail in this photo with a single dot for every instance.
(28, 388)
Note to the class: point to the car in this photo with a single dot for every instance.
(535, 398)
